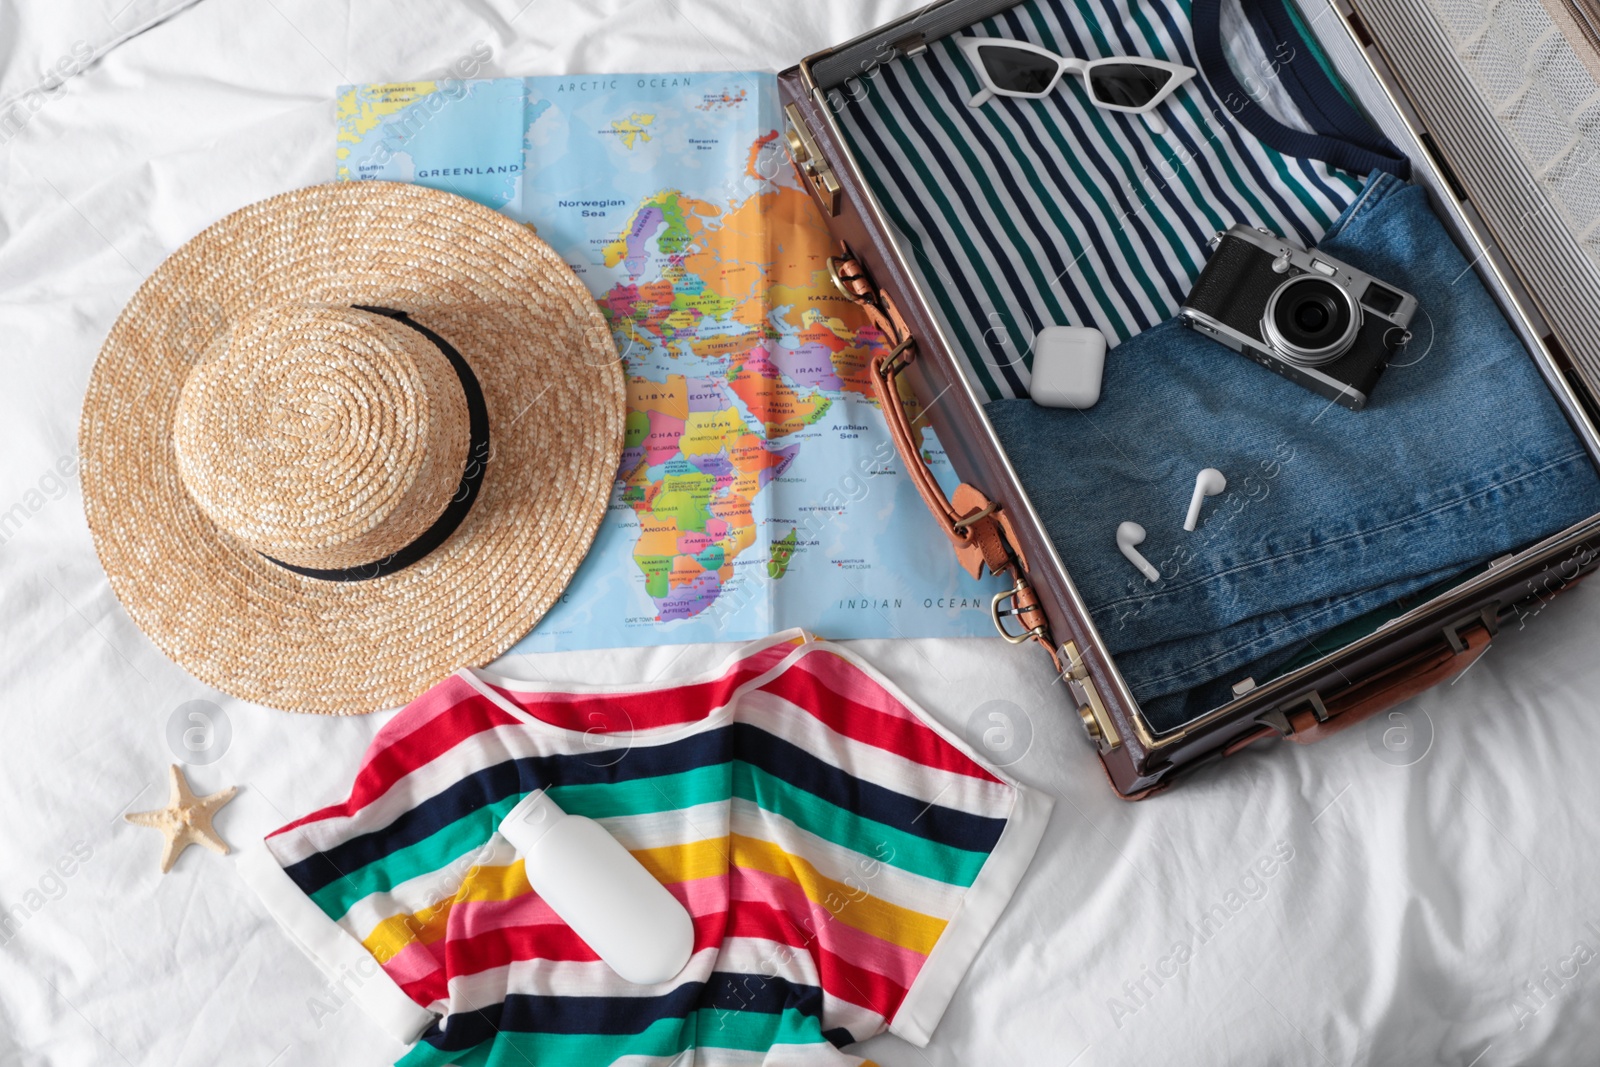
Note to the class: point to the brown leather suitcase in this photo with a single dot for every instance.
(1399, 62)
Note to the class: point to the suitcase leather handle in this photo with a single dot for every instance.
(978, 528)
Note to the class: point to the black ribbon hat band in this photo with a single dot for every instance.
(471, 475)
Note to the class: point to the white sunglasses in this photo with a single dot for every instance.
(1132, 84)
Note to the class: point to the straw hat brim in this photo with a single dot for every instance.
(555, 392)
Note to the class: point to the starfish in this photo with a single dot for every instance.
(186, 820)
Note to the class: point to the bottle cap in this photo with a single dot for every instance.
(526, 824)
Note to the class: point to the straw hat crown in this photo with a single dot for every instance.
(322, 436)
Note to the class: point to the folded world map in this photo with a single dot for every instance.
(758, 488)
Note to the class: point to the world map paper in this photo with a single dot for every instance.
(758, 488)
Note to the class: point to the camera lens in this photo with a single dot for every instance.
(1310, 320)
(1312, 316)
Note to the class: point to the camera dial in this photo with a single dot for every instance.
(1310, 320)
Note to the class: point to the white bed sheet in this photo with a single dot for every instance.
(1441, 911)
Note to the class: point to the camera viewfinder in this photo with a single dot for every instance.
(1383, 301)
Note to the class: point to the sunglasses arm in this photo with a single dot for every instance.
(1157, 124)
(983, 96)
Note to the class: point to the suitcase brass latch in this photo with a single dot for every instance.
(815, 173)
(1091, 709)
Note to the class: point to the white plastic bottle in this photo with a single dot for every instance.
(598, 888)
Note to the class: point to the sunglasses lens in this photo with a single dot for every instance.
(1017, 70)
(1127, 84)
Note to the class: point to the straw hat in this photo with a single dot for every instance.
(347, 440)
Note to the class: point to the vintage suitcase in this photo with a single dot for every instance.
(1535, 254)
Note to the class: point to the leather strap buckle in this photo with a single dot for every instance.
(977, 516)
(998, 613)
(838, 268)
(892, 362)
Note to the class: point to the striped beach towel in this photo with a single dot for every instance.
(1023, 214)
(842, 857)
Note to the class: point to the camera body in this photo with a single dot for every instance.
(1313, 319)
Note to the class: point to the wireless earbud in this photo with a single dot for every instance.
(1208, 482)
(1128, 535)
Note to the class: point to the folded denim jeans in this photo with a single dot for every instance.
(1461, 455)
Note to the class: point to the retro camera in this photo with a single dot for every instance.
(1316, 321)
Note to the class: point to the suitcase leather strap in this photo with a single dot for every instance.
(978, 528)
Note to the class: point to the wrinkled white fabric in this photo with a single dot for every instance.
(1292, 906)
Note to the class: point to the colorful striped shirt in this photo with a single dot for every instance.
(842, 857)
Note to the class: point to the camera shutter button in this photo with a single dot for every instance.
(1281, 264)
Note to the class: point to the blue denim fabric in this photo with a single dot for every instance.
(1461, 455)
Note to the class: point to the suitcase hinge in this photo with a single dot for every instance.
(1488, 618)
(1278, 717)
(1091, 709)
(1277, 720)
(815, 173)
(912, 45)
